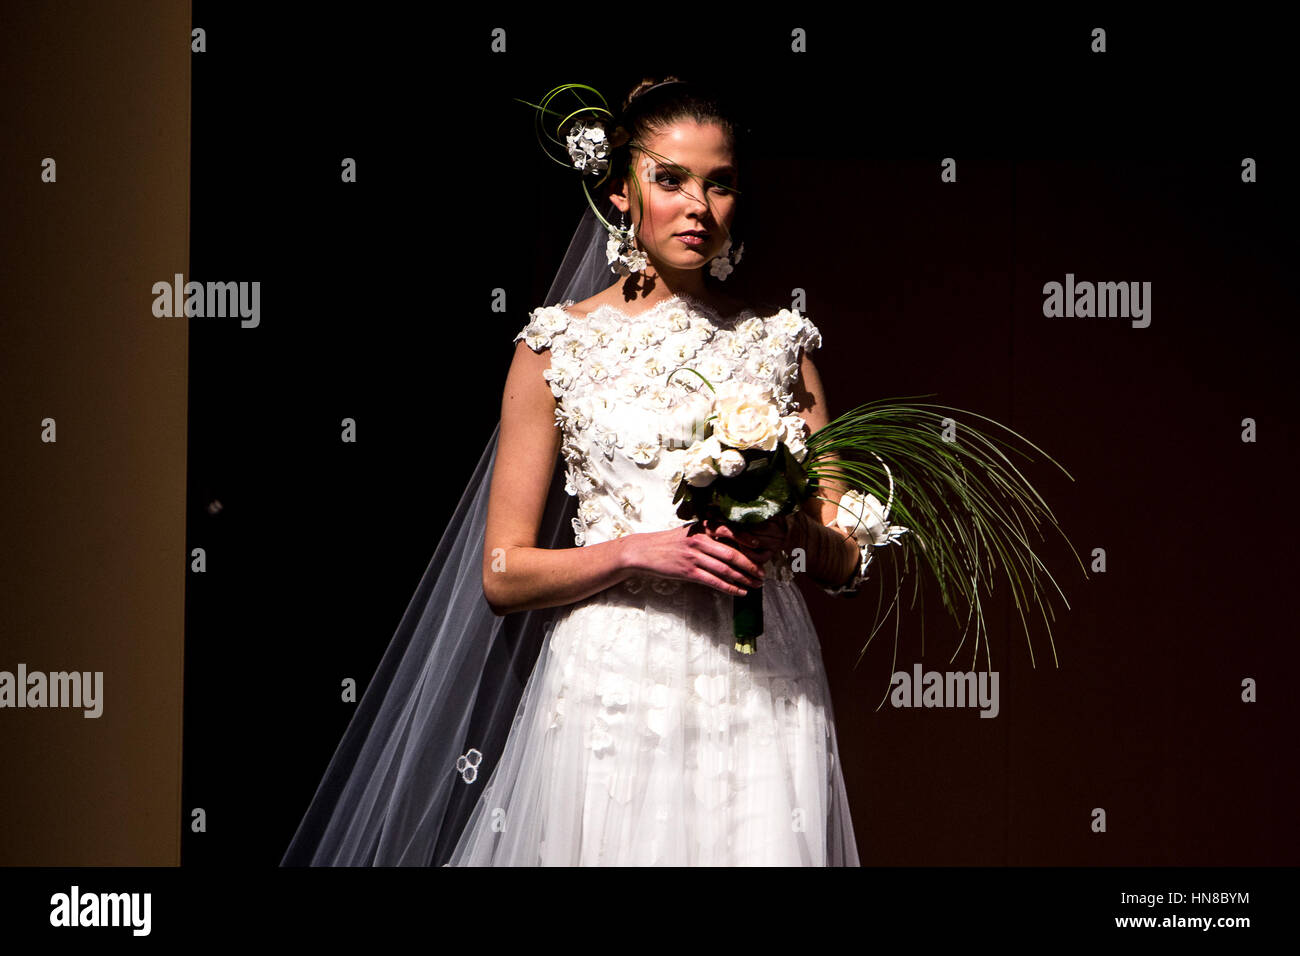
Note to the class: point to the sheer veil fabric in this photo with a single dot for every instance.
(448, 686)
(460, 693)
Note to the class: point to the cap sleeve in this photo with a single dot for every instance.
(543, 326)
(808, 337)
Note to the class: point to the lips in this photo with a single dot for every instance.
(694, 232)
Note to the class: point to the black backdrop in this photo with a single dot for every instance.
(376, 306)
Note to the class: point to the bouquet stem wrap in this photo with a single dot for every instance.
(747, 619)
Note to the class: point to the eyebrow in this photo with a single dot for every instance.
(681, 168)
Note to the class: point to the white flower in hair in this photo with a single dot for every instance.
(588, 146)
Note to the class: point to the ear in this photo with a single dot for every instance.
(618, 196)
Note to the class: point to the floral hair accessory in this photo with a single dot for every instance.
(588, 147)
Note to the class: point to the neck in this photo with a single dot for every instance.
(658, 283)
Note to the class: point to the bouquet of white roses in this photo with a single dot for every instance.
(744, 468)
(955, 488)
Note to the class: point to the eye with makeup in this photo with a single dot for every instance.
(671, 180)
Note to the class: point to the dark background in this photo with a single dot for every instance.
(376, 305)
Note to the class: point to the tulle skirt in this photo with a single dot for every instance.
(644, 739)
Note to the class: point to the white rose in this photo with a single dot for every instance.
(731, 463)
(864, 516)
(698, 466)
(747, 417)
(688, 420)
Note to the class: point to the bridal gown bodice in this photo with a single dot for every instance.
(643, 737)
(624, 423)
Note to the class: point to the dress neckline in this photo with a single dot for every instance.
(678, 298)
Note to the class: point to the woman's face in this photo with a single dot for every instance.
(676, 199)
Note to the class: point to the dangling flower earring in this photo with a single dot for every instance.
(721, 265)
(621, 252)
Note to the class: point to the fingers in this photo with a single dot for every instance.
(731, 580)
(762, 537)
(724, 554)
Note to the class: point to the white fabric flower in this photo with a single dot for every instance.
(732, 344)
(761, 366)
(589, 512)
(788, 321)
(683, 351)
(811, 337)
(552, 318)
(650, 333)
(660, 397)
(612, 688)
(560, 376)
(751, 328)
(589, 147)
(537, 339)
(605, 439)
(711, 689)
(714, 369)
(644, 452)
(624, 345)
(779, 344)
(653, 367)
(600, 742)
(678, 320)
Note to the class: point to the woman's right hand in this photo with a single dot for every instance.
(691, 553)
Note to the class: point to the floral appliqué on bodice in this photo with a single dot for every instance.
(625, 424)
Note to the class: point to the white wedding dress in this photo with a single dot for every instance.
(643, 737)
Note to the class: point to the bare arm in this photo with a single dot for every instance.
(518, 575)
